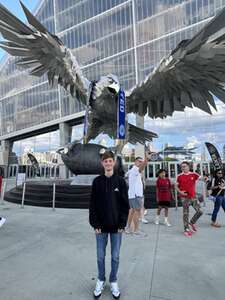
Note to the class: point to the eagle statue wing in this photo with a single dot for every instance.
(42, 52)
(190, 76)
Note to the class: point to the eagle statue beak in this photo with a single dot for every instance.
(114, 88)
(65, 150)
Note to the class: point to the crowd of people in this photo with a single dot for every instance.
(117, 206)
(115, 209)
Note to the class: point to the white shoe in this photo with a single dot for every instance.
(115, 290)
(127, 230)
(140, 233)
(156, 221)
(143, 220)
(99, 288)
(2, 221)
(167, 223)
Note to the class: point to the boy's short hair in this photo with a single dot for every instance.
(107, 154)
(138, 158)
(218, 171)
(185, 163)
(160, 171)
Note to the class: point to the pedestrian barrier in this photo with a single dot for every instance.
(37, 192)
(3, 192)
(53, 197)
(23, 195)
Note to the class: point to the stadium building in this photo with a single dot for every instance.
(124, 37)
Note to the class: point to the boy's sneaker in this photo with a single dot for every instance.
(143, 220)
(2, 221)
(140, 233)
(193, 227)
(127, 230)
(115, 290)
(187, 233)
(167, 223)
(99, 288)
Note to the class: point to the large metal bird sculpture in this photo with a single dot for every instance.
(43, 52)
(188, 77)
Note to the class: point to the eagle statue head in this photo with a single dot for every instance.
(109, 83)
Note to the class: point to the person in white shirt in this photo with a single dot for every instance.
(135, 194)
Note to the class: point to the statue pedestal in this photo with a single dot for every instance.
(83, 179)
(4, 156)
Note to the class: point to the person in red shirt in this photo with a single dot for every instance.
(163, 195)
(186, 187)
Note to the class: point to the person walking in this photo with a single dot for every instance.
(186, 187)
(217, 187)
(163, 195)
(108, 214)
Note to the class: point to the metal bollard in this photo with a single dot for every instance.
(3, 193)
(176, 199)
(53, 197)
(23, 196)
(204, 193)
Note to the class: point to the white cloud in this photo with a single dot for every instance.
(192, 141)
(191, 120)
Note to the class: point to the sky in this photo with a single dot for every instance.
(15, 7)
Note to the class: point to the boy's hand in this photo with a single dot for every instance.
(98, 230)
(183, 193)
(147, 156)
(120, 230)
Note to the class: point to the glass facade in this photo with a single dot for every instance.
(127, 38)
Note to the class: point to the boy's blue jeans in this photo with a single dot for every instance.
(101, 241)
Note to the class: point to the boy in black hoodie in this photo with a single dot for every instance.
(108, 216)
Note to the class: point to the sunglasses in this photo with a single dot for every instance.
(220, 173)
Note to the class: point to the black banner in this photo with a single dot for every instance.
(215, 156)
(34, 163)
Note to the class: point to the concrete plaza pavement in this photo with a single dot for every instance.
(50, 255)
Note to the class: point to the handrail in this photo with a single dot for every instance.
(53, 196)
(3, 192)
(23, 195)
